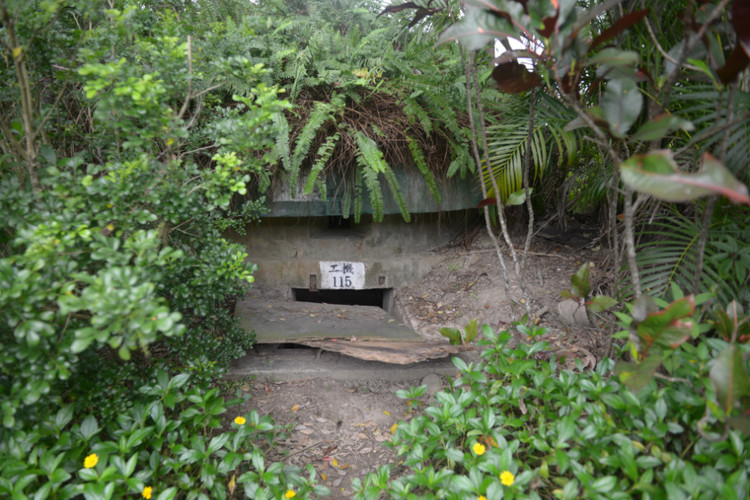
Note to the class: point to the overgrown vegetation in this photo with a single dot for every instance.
(134, 132)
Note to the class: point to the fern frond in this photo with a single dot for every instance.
(398, 195)
(320, 114)
(419, 161)
(357, 195)
(346, 201)
(368, 154)
(461, 163)
(371, 162)
(324, 154)
(375, 191)
(282, 141)
(415, 112)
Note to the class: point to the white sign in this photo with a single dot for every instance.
(342, 275)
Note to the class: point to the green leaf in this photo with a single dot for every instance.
(656, 173)
(661, 126)
(452, 334)
(517, 198)
(730, 378)
(621, 105)
(89, 427)
(637, 375)
(579, 282)
(604, 484)
(613, 57)
(600, 303)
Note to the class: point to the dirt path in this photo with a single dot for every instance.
(341, 427)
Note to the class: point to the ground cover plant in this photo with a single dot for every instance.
(517, 425)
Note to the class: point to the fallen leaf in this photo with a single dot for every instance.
(295, 408)
(232, 485)
(335, 462)
(387, 412)
(362, 436)
(393, 428)
(323, 476)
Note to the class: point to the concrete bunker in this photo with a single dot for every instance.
(327, 281)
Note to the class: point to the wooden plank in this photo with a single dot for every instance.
(399, 353)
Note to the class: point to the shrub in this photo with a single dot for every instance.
(515, 425)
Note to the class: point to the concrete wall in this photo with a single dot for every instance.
(288, 250)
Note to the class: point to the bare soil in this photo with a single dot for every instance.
(342, 427)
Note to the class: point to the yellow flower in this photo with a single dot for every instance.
(482, 497)
(90, 461)
(290, 494)
(507, 478)
(147, 492)
(240, 420)
(479, 448)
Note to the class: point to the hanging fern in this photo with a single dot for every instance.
(324, 154)
(416, 113)
(419, 161)
(390, 177)
(320, 114)
(282, 141)
(368, 154)
(371, 162)
(357, 195)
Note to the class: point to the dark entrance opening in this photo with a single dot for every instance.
(378, 297)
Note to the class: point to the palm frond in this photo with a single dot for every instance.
(550, 144)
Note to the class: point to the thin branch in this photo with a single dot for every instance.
(188, 95)
(468, 65)
(664, 54)
(527, 167)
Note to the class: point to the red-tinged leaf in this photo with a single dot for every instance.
(621, 25)
(730, 378)
(514, 78)
(668, 328)
(549, 24)
(736, 64)
(636, 375)
(656, 173)
(487, 202)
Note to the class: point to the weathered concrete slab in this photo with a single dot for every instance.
(277, 321)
